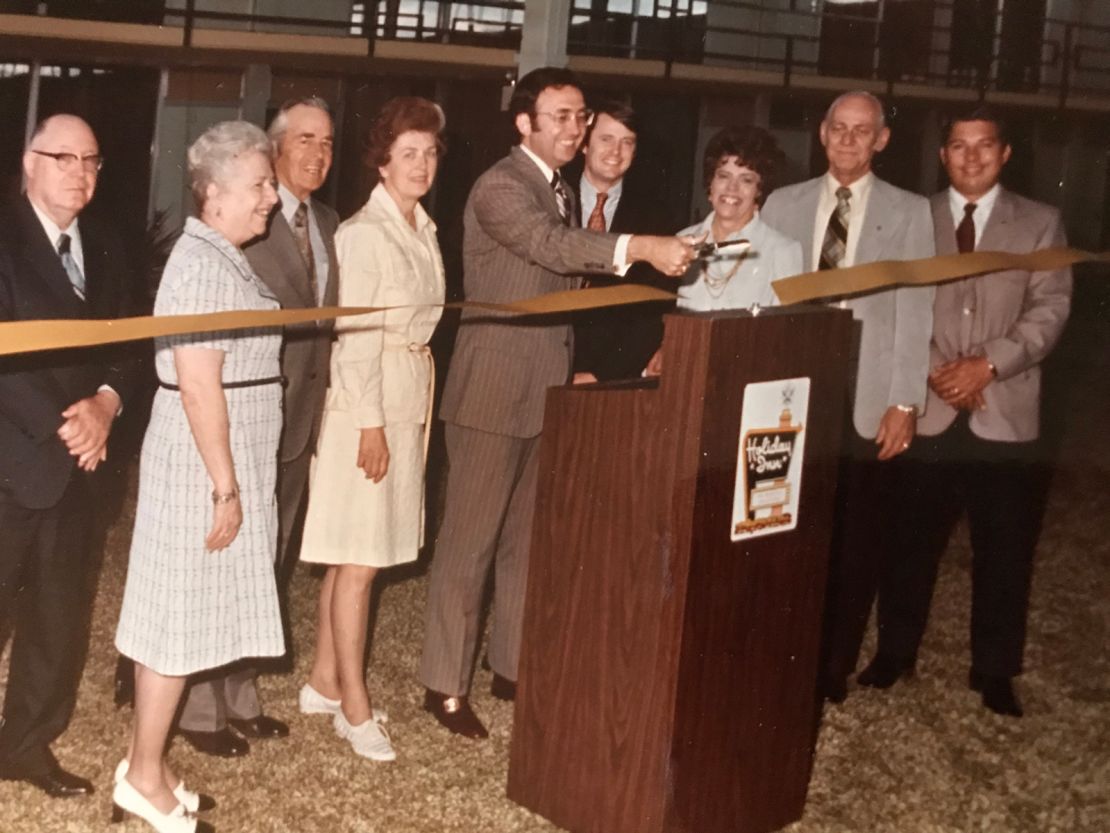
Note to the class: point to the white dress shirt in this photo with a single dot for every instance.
(983, 208)
(826, 205)
(53, 233)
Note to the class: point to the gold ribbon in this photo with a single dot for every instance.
(31, 336)
(868, 277)
(44, 334)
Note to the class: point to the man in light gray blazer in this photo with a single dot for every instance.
(845, 218)
(977, 447)
(519, 241)
(296, 260)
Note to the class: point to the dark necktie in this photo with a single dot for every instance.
(562, 197)
(304, 243)
(597, 216)
(835, 245)
(965, 231)
(73, 271)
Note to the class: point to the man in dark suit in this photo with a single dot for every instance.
(296, 260)
(616, 342)
(56, 413)
(844, 218)
(977, 448)
(519, 241)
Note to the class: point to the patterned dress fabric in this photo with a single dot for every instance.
(186, 609)
(381, 375)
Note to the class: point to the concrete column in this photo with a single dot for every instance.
(257, 81)
(543, 39)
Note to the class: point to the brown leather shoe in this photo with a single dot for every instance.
(503, 688)
(454, 714)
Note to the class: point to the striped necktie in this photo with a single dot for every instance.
(835, 245)
(304, 243)
(562, 197)
(73, 271)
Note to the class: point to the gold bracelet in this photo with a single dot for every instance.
(225, 497)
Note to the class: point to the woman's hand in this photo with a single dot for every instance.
(373, 453)
(225, 525)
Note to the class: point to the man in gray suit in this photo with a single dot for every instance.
(296, 260)
(978, 445)
(519, 241)
(847, 217)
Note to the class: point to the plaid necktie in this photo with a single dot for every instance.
(965, 231)
(597, 216)
(73, 271)
(835, 245)
(562, 197)
(304, 243)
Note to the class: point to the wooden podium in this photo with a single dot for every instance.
(668, 673)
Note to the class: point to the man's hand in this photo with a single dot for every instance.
(373, 453)
(669, 255)
(655, 364)
(960, 382)
(896, 430)
(582, 378)
(87, 425)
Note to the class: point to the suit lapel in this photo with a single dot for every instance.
(327, 230)
(943, 227)
(534, 177)
(996, 234)
(43, 258)
(288, 267)
(877, 227)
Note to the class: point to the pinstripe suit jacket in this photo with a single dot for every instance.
(306, 350)
(895, 324)
(1013, 318)
(515, 246)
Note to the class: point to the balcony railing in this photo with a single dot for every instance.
(487, 23)
(947, 43)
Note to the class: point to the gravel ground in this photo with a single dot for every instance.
(924, 757)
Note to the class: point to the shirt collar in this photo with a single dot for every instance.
(983, 206)
(381, 199)
(860, 189)
(545, 169)
(589, 192)
(51, 228)
(289, 203)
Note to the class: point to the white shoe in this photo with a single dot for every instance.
(368, 739)
(313, 702)
(193, 802)
(127, 799)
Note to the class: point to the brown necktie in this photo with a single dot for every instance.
(835, 244)
(597, 216)
(965, 231)
(304, 243)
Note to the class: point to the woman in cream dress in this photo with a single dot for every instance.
(366, 504)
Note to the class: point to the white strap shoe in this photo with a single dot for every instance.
(369, 739)
(311, 701)
(127, 799)
(193, 802)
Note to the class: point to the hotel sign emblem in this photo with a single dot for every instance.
(769, 459)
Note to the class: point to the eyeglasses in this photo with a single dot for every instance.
(564, 117)
(91, 163)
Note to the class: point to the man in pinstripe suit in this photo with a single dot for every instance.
(518, 242)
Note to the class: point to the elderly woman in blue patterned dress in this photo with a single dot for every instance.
(366, 504)
(739, 167)
(200, 587)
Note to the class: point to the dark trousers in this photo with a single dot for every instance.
(861, 529)
(43, 590)
(1001, 486)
